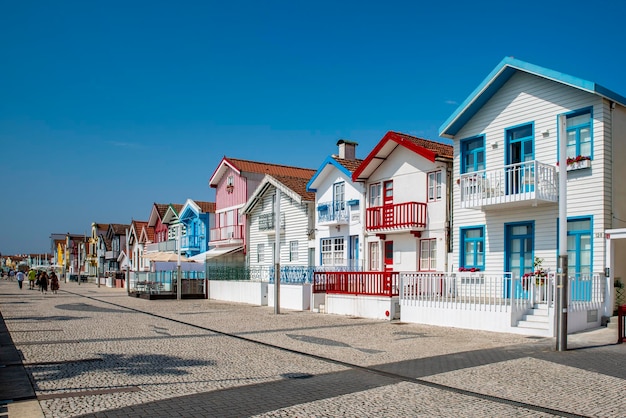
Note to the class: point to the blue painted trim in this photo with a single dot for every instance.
(499, 76)
(353, 202)
(463, 169)
(462, 229)
(328, 161)
(507, 142)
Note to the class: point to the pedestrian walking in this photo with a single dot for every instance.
(54, 282)
(32, 276)
(43, 282)
(20, 278)
(11, 274)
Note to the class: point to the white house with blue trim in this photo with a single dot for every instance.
(506, 195)
(339, 229)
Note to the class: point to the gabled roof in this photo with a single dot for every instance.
(171, 214)
(500, 75)
(347, 167)
(157, 213)
(197, 207)
(136, 228)
(246, 166)
(119, 229)
(147, 234)
(294, 187)
(428, 149)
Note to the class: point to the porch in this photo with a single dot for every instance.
(490, 301)
(528, 183)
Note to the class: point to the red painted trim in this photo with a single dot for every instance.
(224, 161)
(392, 136)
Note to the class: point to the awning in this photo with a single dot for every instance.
(215, 252)
(164, 256)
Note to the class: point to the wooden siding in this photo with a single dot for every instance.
(297, 224)
(529, 99)
(226, 197)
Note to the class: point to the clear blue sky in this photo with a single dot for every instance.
(109, 106)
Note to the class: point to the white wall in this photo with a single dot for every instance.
(525, 99)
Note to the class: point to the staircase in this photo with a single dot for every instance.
(536, 320)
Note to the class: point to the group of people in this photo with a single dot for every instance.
(39, 279)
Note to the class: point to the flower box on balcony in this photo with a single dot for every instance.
(322, 207)
(578, 165)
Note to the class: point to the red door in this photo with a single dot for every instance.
(388, 203)
(388, 255)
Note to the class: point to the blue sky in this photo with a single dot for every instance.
(107, 107)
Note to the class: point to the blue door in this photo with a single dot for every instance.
(519, 246)
(520, 154)
(579, 258)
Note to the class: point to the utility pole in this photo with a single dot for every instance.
(277, 253)
(178, 278)
(562, 273)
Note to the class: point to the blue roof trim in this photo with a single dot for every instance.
(499, 76)
(329, 160)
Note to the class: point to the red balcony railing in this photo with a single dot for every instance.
(372, 283)
(397, 216)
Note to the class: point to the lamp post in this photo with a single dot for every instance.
(277, 253)
(66, 257)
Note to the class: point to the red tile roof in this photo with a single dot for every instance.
(298, 185)
(350, 165)
(271, 169)
(440, 149)
(206, 206)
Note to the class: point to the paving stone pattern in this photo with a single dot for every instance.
(96, 352)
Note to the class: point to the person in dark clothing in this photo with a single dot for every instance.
(54, 282)
(43, 282)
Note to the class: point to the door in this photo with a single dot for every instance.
(353, 261)
(519, 246)
(520, 154)
(388, 256)
(388, 203)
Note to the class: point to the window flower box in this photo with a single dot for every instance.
(578, 165)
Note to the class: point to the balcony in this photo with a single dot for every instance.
(267, 222)
(400, 217)
(191, 242)
(332, 213)
(165, 246)
(523, 184)
(232, 234)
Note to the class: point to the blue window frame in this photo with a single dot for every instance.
(472, 248)
(472, 154)
(579, 246)
(579, 133)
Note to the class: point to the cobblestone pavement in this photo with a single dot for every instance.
(96, 352)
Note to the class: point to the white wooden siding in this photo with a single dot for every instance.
(297, 225)
(530, 99)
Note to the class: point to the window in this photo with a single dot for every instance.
(472, 154)
(579, 133)
(293, 251)
(339, 192)
(333, 252)
(260, 253)
(230, 181)
(428, 255)
(434, 186)
(579, 248)
(375, 190)
(472, 248)
(374, 256)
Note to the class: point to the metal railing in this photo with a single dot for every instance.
(330, 212)
(267, 221)
(227, 232)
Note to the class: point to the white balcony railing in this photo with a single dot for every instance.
(531, 182)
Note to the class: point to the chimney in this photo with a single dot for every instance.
(347, 149)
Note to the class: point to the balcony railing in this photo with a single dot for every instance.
(400, 216)
(231, 232)
(332, 213)
(165, 246)
(511, 185)
(267, 221)
(191, 242)
(372, 283)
